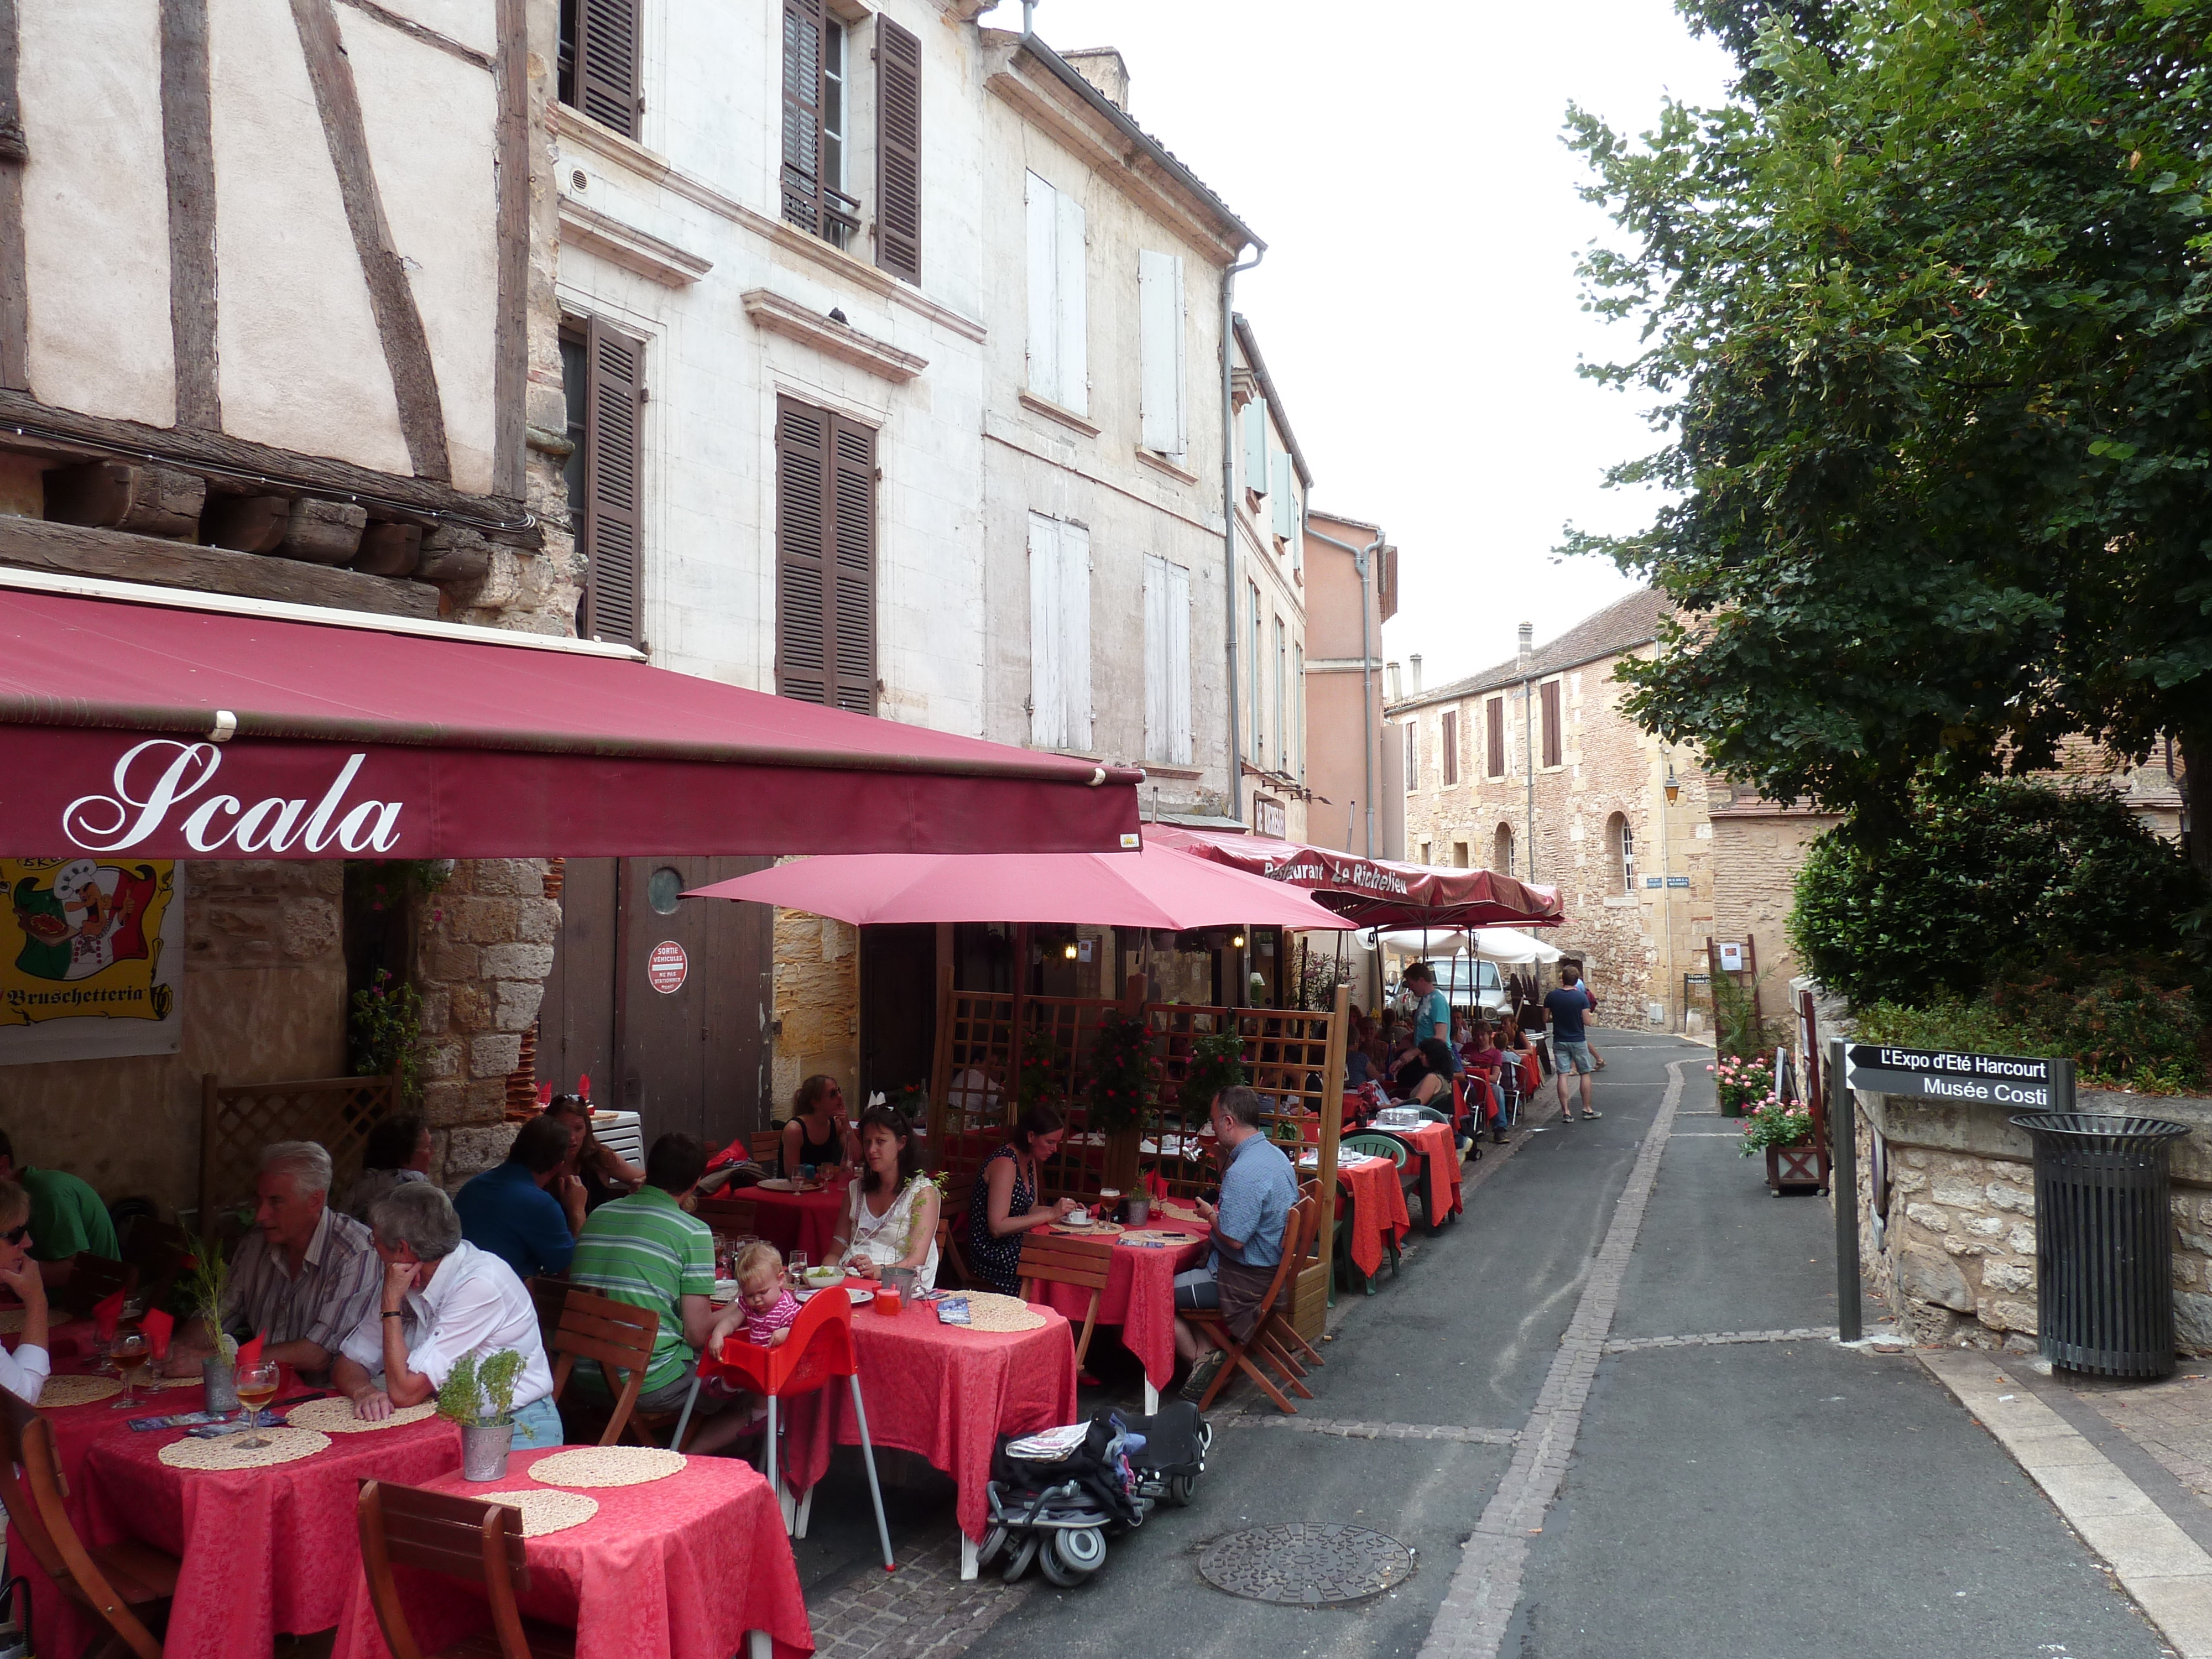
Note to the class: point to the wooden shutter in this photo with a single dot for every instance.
(825, 558)
(1448, 741)
(1255, 447)
(1160, 352)
(1413, 756)
(898, 150)
(1494, 718)
(1286, 498)
(1167, 662)
(1044, 230)
(1068, 293)
(1552, 749)
(802, 114)
(1047, 704)
(607, 64)
(1075, 632)
(614, 407)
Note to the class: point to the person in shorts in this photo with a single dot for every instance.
(1566, 1009)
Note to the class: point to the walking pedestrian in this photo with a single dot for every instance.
(1432, 1014)
(1566, 1008)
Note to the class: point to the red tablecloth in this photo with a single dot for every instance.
(679, 1569)
(1139, 1296)
(1435, 1140)
(1378, 1210)
(941, 1392)
(799, 1221)
(264, 1550)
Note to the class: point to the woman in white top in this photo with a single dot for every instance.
(22, 1373)
(891, 1216)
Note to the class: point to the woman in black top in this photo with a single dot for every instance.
(604, 1172)
(817, 1131)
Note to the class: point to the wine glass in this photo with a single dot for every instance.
(257, 1386)
(130, 1354)
(798, 1270)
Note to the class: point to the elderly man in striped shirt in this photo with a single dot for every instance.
(304, 1277)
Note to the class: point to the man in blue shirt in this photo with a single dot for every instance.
(1258, 1188)
(512, 1211)
(1432, 1009)
(1570, 1050)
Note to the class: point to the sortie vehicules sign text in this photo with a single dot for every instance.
(2015, 1081)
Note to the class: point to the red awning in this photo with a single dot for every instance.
(167, 730)
(1376, 892)
(1156, 888)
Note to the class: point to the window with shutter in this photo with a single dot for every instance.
(1286, 493)
(1412, 757)
(614, 364)
(898, 150)
(1282, 697)
(1256, 674)
(1299, 687)
(1059, 368)
(1448, 745)
(825, 558)
(1162, 395)
(598, 62)
(815, 81)
(1494, 719)
(1255, 447)
(1167, 662)
(1554, 747)
(1060, 634)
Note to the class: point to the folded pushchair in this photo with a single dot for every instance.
(1056, 1497)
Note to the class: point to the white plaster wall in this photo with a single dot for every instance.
(430, 119)
(474, 23)
(96, 208)
(301, 365)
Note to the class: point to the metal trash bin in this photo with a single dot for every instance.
(2104, 1241)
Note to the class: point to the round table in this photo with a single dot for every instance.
(686, 1567)
(799, 1221)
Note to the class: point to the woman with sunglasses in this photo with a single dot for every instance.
(817, 1131)
(22, 1373)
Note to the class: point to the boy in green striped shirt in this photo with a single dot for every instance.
(645, 1251)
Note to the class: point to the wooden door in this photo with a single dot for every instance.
(576, 1021)
(898, 1012)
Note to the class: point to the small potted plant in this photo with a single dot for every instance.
(480, 1399)
(1741, 1083)
(205, 1284)
(1784, 1131)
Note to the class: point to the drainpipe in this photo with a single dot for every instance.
(1228, 521)
(1360, 556)
(1528, 736)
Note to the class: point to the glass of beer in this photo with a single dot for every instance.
(257, 1386)
(131, 1354)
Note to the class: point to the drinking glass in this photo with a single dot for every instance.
(130, 1353)
(257, 1386)
(798, 1270)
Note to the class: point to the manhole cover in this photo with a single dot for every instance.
(1305, 1565)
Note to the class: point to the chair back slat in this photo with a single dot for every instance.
(1083, 1263)
(768, 1147)
(550, 1296)
(15, 1419)
(616, 1336)
(456, 1537)
(729, 1215)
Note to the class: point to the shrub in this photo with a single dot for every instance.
(2012, 873)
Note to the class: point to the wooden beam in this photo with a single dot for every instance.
(15, 278)
(248, 461)
(414, 31)
(390, 296)
(188, 146)
(118, 556)
(510, 390)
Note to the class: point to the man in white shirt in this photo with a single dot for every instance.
(22, 1373)
(442, 1299)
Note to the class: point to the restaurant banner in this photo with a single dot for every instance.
(92, 958)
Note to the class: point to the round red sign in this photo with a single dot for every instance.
(666, 968)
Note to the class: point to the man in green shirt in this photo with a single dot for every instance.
(645, 1251)
(66, 1216)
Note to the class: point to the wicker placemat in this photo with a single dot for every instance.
(169, 1382)
(544, 1511)
(1095, 1229)
(285, 1446)
(11, 1320)
(335, 1416)
(61, 1391)
(989, 1311)
(1172, 1237)
(606, 1466)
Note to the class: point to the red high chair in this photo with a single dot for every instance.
(818, 1351)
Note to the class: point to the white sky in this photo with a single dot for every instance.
(1418, 304)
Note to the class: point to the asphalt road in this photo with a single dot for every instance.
(1757, 1499)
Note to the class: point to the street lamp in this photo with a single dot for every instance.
(1674, 785)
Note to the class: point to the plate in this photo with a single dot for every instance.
(775, 1184)
(860, 1298)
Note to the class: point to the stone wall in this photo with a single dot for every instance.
(817, 1003)
(1757, 847)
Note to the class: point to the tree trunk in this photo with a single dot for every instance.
(2196, 746)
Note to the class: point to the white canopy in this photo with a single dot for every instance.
(1413, 942)
(1512, 947)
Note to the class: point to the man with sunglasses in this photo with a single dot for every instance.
(66, 1217)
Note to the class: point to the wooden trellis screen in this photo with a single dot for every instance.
(237, 1120)
(1293, 1057)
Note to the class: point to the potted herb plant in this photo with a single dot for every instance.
(205, 1284)
(1784, 1131)
(480, 1399)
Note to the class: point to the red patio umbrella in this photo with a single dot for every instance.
(1364, 892)
(1155, 888)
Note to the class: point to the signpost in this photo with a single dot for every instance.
(2016, 1082)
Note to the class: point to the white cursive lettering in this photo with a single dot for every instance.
(319, 823)
(201, 824)
(111, 824)
(167, 790)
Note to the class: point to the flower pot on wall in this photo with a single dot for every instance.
(1794, 1169)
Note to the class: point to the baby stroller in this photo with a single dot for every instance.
(1057, 1496)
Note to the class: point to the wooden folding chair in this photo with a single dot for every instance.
(1261, 1343)
(1085, 1263)
(618, 1337)
(550, 1296)
(729, 1215)
(459, 1537)
(768, 1147)
(92, 1280)
(949, 1253)
(128, 1584)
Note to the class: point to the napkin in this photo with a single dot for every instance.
(544, 1094)
(157, 1326)
(249, 1352)
(584, 1086)
(106, 1314)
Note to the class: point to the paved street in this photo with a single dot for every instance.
(1617, 1309)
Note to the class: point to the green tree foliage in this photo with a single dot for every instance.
(1926, 307)
(2008, 873)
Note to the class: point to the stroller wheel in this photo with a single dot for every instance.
(1081, 1550)
(993, 1541)
(1023, 1556)
(1056, 1571)
(1180, 1488)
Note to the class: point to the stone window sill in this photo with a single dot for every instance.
(1053, 411)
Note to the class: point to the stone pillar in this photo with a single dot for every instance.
(817, 1003)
